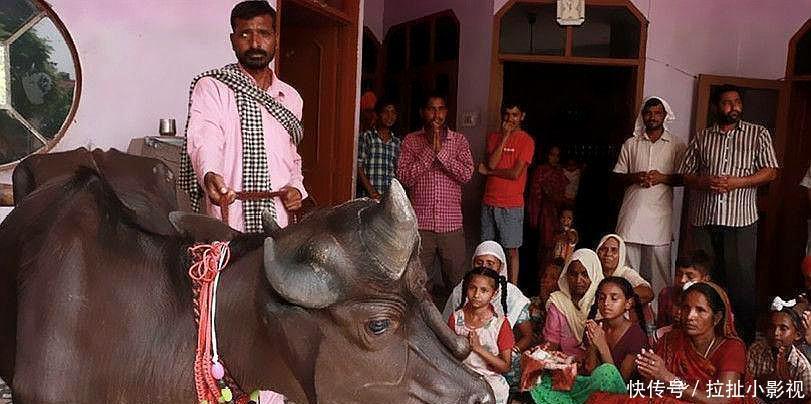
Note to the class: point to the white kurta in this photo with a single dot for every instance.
(646, 213)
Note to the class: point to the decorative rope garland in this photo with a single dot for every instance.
(212, 380)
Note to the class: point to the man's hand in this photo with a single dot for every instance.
(507, 127)
(291, 198)
(655, 178)
(437, 142)
(725, 183)
(483, 170)
(640, 178)
(217, 191)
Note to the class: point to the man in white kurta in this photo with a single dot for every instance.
(647, 164)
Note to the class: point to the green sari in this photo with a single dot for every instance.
(605, 377)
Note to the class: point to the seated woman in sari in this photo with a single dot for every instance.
(611, 251)
(568, 308)
(704, 349)
(567, 313)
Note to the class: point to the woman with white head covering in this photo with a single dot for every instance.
(611, 250)
(568, 308)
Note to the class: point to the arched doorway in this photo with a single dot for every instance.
(581, 87)
(422, 57)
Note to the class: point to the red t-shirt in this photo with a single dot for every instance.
(503, 192)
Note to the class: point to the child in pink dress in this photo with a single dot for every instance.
(490, 336)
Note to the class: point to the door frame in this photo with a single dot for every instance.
(498, 58)
(345, 137)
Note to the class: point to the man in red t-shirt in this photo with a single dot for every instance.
(509, 152)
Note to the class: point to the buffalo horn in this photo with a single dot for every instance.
(389, 231)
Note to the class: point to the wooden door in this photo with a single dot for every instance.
(764, 103)
(318, 57)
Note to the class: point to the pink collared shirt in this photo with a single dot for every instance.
(434, 180)
(215, 143)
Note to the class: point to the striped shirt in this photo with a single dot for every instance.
(378, 159)
(761, 363)
(740, 153)
(434, 180)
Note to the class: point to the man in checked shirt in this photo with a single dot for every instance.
(434, 164)
(723, 167)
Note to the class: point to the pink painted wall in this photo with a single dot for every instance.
(137, 60)
(746, 38)
(475, 33)
(373, 17)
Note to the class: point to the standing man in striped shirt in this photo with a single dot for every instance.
(724, 165)
(434, 164)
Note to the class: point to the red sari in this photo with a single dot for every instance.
(546, 194)
(681, 359)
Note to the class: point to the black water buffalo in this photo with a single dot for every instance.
(95, 307)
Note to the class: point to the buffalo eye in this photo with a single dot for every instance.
(378, 327)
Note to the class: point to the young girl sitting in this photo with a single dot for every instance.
(777, 359)
(490, 336)
(616, 340)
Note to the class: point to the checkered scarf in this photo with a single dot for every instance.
(254, 162)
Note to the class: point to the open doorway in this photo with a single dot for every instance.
(588, 111)
(581, 86)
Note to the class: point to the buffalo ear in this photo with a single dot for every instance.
(299, 283)
(145, 186)
(201, 227)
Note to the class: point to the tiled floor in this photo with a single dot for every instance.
(5, 393)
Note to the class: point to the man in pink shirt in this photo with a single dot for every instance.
(434, 164)
(243, 129)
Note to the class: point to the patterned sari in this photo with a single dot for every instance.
(681, 359)
(546, 193)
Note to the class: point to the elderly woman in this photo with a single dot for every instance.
(705, 349)
(489, 254)
(567, 309)
(611, 251)
(567, 313)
